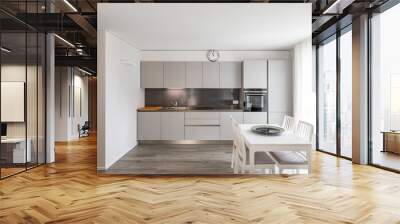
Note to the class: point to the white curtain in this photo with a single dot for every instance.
(304, 83)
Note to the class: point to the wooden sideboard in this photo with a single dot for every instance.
(391, 142)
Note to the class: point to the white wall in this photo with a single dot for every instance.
(202, 55)
(119, 95)
(68, 79)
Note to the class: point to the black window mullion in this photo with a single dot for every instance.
(338, 91)
(26, 88)
(0, 100)
(317, 95)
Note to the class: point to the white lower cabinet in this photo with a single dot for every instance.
(202, 132)
(202, 125)
(255, 117)
(172, 125)
(194, 125)
(226, 130)
(149, 126)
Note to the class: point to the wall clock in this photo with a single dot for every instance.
(213, 55)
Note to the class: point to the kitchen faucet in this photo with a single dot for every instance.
(175, 103)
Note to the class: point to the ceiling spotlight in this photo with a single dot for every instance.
(5, 50)
(337, 7)
(84, 71)
(65, 41)
(70, 5)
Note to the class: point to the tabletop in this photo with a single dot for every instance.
(287, 138)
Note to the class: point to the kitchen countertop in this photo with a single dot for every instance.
(187, 109)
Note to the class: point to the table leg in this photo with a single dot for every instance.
(251, 153)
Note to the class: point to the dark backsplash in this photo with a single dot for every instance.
(216, 98)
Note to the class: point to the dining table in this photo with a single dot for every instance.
(287, 141)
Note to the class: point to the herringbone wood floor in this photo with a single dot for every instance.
(70, 191)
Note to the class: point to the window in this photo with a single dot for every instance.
(346, 94)
(385, 89)
(327, 97)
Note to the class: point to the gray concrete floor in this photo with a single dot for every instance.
(175, 159)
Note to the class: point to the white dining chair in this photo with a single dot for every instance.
(241, 158)
(238, 162)
(305, 130)
(234, 146)
(289, 123)
(295, 160)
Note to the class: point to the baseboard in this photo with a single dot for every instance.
(102, 168)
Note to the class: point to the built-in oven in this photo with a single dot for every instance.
(255, 99)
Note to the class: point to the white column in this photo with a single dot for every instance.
(360, 90)
(50, 99)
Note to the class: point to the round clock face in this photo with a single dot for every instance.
(213, 55)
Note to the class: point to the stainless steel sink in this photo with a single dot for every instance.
(175, 108)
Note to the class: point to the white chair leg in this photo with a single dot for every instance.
(235, 169)
(232, 159)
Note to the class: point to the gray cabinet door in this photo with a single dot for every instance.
(280, 86)
(230, 75)
(255, 74)
(172, 125)
(226, 130)
(194, 75)
(255, 117)
(151, 75)
(174, 75)
(210, 75)
(149, 126)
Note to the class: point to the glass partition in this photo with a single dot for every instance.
(13, 91)
(22, 101)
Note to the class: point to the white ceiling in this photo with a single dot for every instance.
(198, 26)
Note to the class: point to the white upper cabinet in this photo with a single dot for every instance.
(194, 75)
(152, 75)
(210, 75)
(255, 74)
(230, 75)
(191, 75)
(174, 75)
(280, 86)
